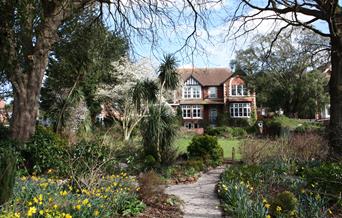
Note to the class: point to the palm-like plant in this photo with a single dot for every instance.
(168, 80)
(159, 132)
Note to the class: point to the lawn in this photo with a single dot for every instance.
(227, 144)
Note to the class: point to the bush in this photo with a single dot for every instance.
(8, 171)
(45, 150)
(237, 132)
(151, 185)
(325, 178)
(4, 132)
(299, 147)
(286, 200)
(198, 165)
(206, 148)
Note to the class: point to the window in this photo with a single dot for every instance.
(196, 92)
(187, 92)
(196, 111)
(239, 90)
(212, 92)
(192, 92)
(186, 111)
(193, 111)
(188, 125)
(238, 110)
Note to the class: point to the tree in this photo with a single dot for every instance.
(284, 78)
(77, 64)
(168, 80)
(330, 12)
(128, 99)
(28, 30)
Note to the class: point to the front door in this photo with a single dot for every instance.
(213, 116)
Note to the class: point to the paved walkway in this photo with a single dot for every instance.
(200, 198)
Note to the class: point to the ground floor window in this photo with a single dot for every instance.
(189, 125)
(240, 110)
(191, 111)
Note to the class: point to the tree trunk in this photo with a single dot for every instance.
(26, 89)
(335, 89)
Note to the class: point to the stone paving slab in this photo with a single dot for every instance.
(200, 198)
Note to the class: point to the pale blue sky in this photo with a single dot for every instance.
(216, 51)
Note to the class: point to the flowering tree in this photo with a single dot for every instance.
(127, 99)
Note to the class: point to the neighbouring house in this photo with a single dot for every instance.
(325, 111)
(3, 112)
(206, 94)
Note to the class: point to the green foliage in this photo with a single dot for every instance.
(206, 148)
(4, 132)
(198, 165)
(78, 63)
(284, 78)
(46, 150)
(168, 75)
(150, 161)
(237, 200)
(228, 132)
(8, 163)
(162, 123)
(325, 177)
(114, 196)
(286, 200)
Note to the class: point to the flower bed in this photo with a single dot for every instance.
(112, 196)
(281, 189)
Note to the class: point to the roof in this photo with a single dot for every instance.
(206, 76)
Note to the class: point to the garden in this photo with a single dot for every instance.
(288, 176)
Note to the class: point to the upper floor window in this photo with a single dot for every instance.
(186, 111)
(192, 92)
(212, 92)
(239, 90)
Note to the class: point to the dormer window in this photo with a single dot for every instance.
(212, 92)
(239, 90)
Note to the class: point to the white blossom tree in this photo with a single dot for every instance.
(127, 100)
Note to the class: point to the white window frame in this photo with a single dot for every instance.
(196, 111)
(240, 110)
(239, 90)
(186, 111)
(192, 92)
(212, 92)
(191, 111)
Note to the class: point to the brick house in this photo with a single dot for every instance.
(207, 93)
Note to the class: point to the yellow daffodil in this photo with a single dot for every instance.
(85, 201)
(268, 216)
(31, 211)
(278, 209)
(67, 216)
(96, 213)
(267, 206)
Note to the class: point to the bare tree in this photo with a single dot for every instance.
(28, 29)
(304, 13)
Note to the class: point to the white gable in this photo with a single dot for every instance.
(191, 81)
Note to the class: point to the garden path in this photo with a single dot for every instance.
(200, 198)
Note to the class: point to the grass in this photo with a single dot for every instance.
(227, 144)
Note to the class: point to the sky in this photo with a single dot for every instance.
(218, 49)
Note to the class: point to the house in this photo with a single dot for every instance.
(3, 112)
(206, 94)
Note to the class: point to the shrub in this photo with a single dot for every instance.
(44, 151)
(8, 171)
(286, 200)
(299, 147)
(325, 177)
(198, 165)
(4, 132)
(151, 185)
(150, 161)
(237, 132)
(206, 148)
